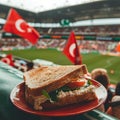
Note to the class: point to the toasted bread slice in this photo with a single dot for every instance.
(51, 78)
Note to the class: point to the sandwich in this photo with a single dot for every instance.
(49, 87)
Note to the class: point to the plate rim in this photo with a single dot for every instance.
(46, 113)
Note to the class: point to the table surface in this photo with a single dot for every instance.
(9, 78)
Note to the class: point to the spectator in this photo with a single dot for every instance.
(100, 75)
(117, 89)
(30, 65)
(22, 67)
(114, 110)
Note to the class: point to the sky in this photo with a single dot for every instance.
(42, 5)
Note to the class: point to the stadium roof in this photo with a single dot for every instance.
(42, 5)
(94, 9)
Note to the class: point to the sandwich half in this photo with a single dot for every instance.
(55, 86)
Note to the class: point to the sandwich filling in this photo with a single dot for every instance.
(69, 92)
(69, 88)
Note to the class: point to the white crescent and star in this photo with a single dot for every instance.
(18, 26)
(71, 49)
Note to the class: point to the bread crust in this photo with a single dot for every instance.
(53, 84)
(34, 97)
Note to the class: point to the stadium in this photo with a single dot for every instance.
(95, 23)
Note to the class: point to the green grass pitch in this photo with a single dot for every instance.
(92, 60)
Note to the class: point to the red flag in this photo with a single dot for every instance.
(71, 50)
(8, 60)
(17, 25)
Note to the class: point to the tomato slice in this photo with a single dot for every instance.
(76, 84)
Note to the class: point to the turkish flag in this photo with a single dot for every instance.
(8, 59)
(17, 25)
(71, 50)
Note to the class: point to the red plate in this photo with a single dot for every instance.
(18, 99)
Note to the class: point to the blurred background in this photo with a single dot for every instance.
(96, 24)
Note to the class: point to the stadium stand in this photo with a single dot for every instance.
(102, 30)
(101, 39)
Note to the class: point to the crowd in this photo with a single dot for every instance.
(84, 30)
(24, 64)
(99, 46)
(85, 46)
(16, 62)
(51, 43)
(13, 43)
(112, 104)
